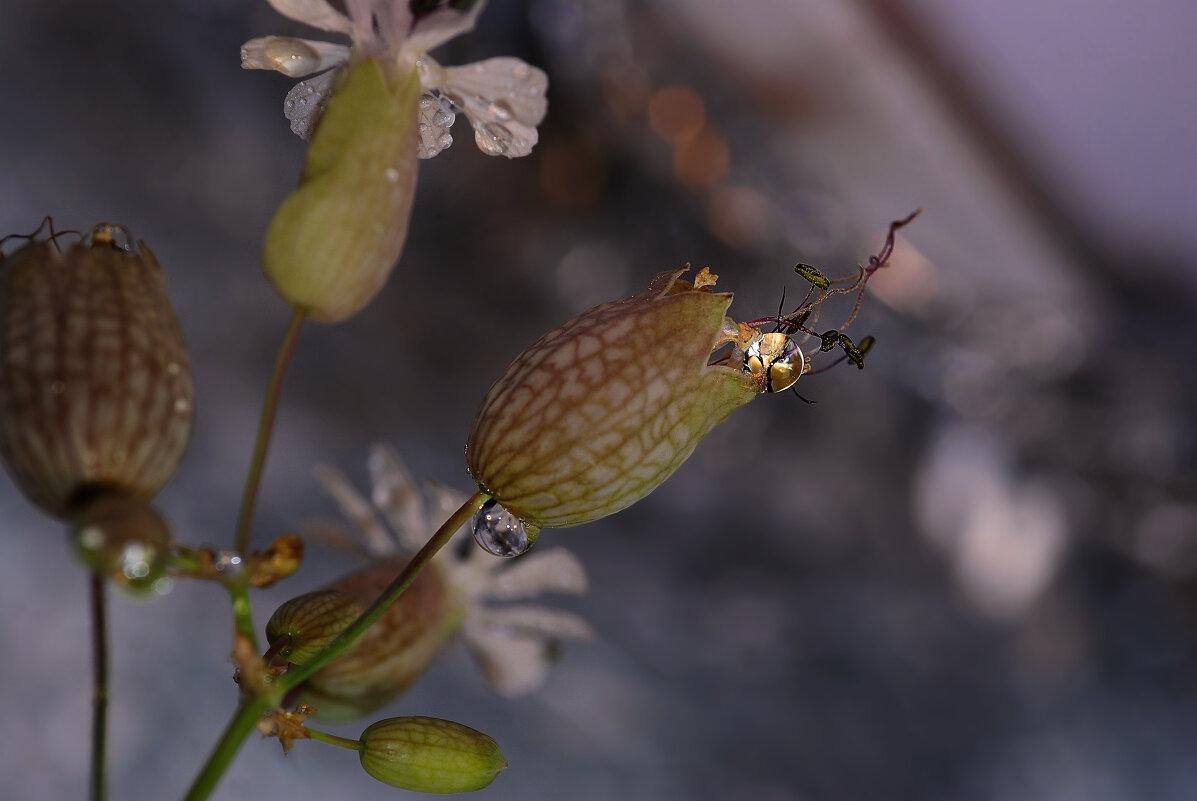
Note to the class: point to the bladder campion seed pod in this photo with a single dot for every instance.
(95, 386)
(430, 755)
(601, 410)
(392, 654)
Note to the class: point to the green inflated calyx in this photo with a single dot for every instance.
(430, 755)
(334, 240)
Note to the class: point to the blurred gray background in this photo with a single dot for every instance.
(966, 574)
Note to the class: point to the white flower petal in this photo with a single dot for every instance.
(556, 570)
(317, 13)
(512, 665)
(356, 509)
(436, 117)
(498, 90)
(433, 29)
(539, 620)
(395, 494)
(306, 102)
(292, 57)
(511, 139)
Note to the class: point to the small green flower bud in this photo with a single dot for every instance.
(310, 622)
(334, 240)
(430, 755)
(95, 385)
(392, 654)
(122, 539)
(598, 412)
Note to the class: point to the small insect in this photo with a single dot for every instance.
(777, 358)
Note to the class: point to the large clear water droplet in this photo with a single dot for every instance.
(499, 531)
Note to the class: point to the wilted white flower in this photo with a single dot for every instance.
(510, 642)
(502, 97)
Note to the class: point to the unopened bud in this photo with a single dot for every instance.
(310, 622)
(430, 755)
(334, 240)
(95, 385)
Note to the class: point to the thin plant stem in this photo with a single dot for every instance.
(265, 426)
(99, 700)
(250, 712)
(332, 739)
(243, 618)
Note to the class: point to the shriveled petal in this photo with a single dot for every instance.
(437, 25)
(356, 508)
(556, 570)
(292, 57)
(504, 100)
(512, 664)
(551, 623)
(499, 90)
(395, 494)
(306, 102)
(317, 13)
(436, 117)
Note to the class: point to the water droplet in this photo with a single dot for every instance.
(135, 561)
(499, 531)
(493, 139)
(444, 140)
(291, 57)
(443, 119)
(91, 538)
(229, 562)
(162, 586)
(182, 405)
(500, 110)
(392, 174)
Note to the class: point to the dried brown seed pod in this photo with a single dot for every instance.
(95, 384)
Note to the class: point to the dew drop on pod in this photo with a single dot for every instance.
(95, 393)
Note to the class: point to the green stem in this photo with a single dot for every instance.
(332, 739)
(247, 717)
(99, 721)
(248, 714)
(243, 617)
(265, 425)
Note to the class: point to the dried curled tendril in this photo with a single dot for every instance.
(780, 360)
